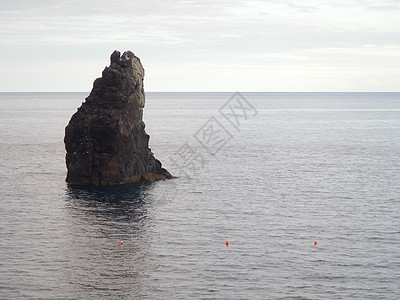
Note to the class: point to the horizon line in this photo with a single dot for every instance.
(88, 92)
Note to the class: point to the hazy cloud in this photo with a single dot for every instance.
(204, 45)
(384, 7)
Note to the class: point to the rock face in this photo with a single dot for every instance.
(105, 139)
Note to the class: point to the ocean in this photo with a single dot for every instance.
(304, 187)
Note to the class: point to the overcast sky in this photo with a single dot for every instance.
(194, 45)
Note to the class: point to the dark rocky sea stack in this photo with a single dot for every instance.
(105, 139)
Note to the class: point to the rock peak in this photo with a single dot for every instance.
(105, 139)
(127, 59)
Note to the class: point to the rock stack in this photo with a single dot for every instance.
(105, 139)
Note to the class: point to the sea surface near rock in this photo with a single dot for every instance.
(105, 139)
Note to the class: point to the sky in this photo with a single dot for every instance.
(194, 45)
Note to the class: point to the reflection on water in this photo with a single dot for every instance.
(125, 203)
(99, 218)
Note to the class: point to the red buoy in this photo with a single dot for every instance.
(315, 242)
(227, 243)
(122, 242)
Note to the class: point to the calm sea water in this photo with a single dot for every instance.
(281, 171)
